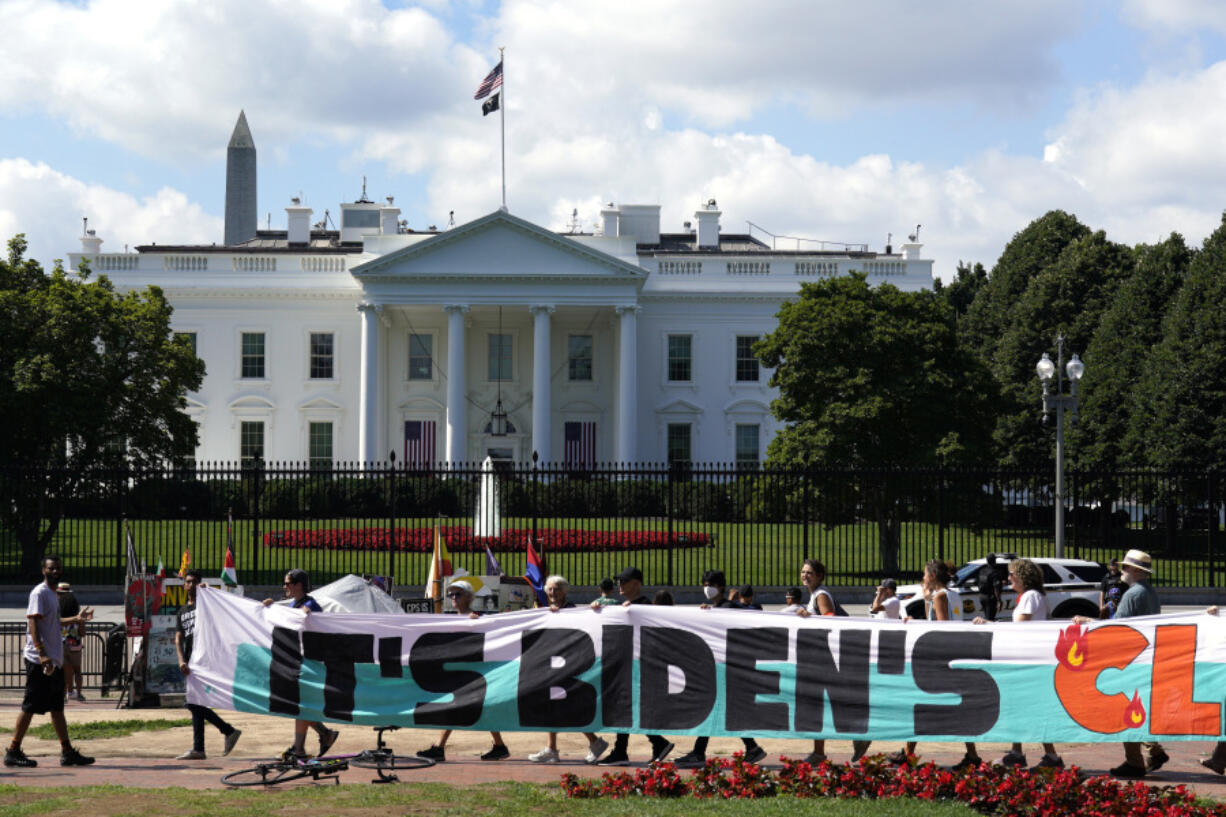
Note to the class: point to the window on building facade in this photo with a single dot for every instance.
(746, 360)
(253, 355)
(579, 357)
(319, 445)
(680, 358)
(500, 357)
(747, 445)
(679, 443)
(251, 440)
(322, 367)
(421, 357)
(189, 338)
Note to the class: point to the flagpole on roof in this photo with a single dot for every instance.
(502, 117)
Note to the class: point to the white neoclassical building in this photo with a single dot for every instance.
(627, 345)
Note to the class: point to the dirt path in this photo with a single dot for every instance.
(145, 759)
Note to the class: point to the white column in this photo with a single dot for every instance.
(627, 393)
(541, 369)
(457, 422)
(368, 416)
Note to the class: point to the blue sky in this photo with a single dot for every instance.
(831, 120)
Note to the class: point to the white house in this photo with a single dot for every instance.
(627, 345)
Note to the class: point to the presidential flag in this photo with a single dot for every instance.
(492, 80)
(535, 574)
(229, 575)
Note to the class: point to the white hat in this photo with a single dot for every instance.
(463, 585)
(1138, 559)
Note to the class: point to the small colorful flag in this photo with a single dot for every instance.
(184, 563)
(134, 568)
(440, 567)
(492, 568)
(159, 575)
(535, 574)
(229, 574)
(492, 80)
(490, 105)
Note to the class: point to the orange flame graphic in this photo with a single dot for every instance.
(1134, 715)
(1072, 647)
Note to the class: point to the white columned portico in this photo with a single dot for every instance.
(627, 393)
(368, 417)
(457, 416)
(542, 407)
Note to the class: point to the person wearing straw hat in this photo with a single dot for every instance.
(1139, 600)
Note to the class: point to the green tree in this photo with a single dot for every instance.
(1181, 418)
(1107, 438)
(88, 378)
(960, 293)
(874, 377)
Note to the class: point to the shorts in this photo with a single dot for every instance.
(44, 693)
(72, 658)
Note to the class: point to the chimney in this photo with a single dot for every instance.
(911, 251)
(91, 244)
(298, 221)
(708, 225)
(608, 220)
(389, 218)
(641, 221)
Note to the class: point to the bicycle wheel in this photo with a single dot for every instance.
(264, 774)
(388, 762)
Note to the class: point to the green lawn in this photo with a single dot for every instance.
(754, 553)
(433, 799)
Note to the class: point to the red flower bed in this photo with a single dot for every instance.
(461, 540)
(989, 789)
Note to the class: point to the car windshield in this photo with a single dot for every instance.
(967, 572)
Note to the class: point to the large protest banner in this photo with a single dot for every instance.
(675, 670)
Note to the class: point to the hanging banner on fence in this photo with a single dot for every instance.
(673, 670)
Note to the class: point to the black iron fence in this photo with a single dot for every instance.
(757, 525)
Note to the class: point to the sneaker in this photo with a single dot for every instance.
(859, 748)
(616, 758)
(1126, 771)
(1157, 759)
(546, 755)
(326, 740)
(1015, 759)
(16, 757)
(665, 748)
(595, 749)
(435, 753)
(1211, 763)
(292, 755)
(1048, 762)
(192, 754)
(231, 739)
(71, 757)
(754, 753)
(78, 697)
(815, 758)
(499, 751)
(899, 758)
(967, 762)
(693, 760)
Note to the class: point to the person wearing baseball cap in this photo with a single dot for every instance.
(886, 603)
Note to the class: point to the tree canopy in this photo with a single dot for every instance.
(89, 377)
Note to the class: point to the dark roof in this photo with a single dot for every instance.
(325, 242)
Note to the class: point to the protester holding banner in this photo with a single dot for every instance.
(461, 594)
(630, 585)
(714, 587)
(298, 587)
(943, 603)
(556, 588)
(1026, 579)
(44, 663)
(185, 630)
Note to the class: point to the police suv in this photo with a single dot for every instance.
(1072, 587)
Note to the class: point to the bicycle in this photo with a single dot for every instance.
(382, 759)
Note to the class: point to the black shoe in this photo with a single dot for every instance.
(1127, 771)
(16, 757)
(326, 740)
(754, 753)
(691, 761)
(665, 748)
(1157, 759)
(435, 753)
(967, 762)
(615, 758)
(859, 748)
(292, 755)
(71, 757)
(498, 752)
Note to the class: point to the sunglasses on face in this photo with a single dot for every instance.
(454, 595)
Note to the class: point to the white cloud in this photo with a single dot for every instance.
(48, 206)
(1186, 16)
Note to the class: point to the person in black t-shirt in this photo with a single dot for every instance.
(1111, 590)
(185, 631)
(991, 578)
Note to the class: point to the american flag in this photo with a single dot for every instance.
(419, 436)
(580, 448)
(492, 80)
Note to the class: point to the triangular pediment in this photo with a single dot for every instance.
(498, 246)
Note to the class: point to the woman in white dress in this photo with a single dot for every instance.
(943, 604)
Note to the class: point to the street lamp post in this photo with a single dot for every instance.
(1059, 402)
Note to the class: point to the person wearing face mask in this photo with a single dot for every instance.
(714, 588)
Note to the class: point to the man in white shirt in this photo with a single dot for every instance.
(886, 603)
